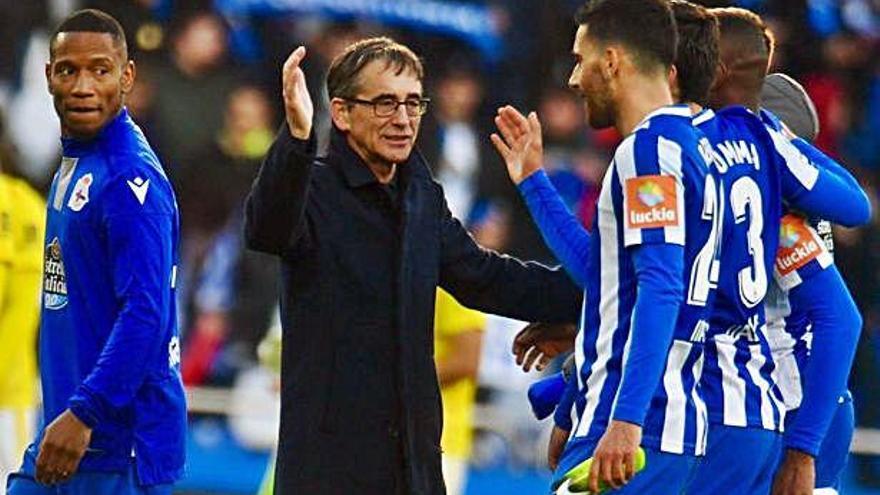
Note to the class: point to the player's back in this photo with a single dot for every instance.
(737, 383)
(652, 193)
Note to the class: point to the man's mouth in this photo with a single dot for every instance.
(83, 110)
(399, 140)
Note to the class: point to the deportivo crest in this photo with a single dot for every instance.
(54, 279)
(797, 245)
(80, 195)
(651, 202)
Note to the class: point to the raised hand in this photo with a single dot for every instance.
(298, 107)
(520, 143)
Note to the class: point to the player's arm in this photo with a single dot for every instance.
(836, 325)
(815, 184)
(658, 298)
(493, 283)
(522, 150)
(275, 208)
(141, 250)
(561, 230)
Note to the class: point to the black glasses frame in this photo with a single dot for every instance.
(415, 107)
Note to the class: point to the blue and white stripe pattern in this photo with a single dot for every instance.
(665, 144)
(756, 166)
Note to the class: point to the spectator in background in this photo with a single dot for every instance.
(451, 140)
(22, 219)
(457, 342)
(191, 90)
(234, 290)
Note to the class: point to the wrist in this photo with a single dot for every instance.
(298, 131)
(798, 456)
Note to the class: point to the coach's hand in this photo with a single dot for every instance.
(64, 444)
(298, 108)
(797, 476)
(558, 439)
(542, 342)
(520, 143)
(614, 460)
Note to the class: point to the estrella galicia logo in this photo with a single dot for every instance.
(54, 280)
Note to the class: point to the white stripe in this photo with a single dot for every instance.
(608, 303)
(579, 358)
(675, 419)
(703, 117)
(825, 491)
(702, 418)
(753, 366)
(625, 166)
(669, 158)
(786, 374)
(732, 385)
(798, 164)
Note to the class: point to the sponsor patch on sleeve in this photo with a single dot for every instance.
(651, 202)
(798, 245)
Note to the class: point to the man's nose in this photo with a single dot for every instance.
(400, 116)
(84, 86)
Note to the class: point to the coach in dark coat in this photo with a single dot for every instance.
(365, 238)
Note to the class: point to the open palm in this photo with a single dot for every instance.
(298, 107)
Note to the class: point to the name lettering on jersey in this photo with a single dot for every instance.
(747, 331)
(80, 195)
(54, 279)
(139, 187)
(652, 202)
(728, 154)
(797, 246)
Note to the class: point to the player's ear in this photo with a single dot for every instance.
(340, 112)
(611, 62)
(48, 70)
(129, 72)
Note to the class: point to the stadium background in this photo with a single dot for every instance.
(207, 97)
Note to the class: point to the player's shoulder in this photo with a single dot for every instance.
(802, 252)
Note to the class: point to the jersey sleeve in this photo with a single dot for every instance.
(650, 173)
(139, 223)
(814, 183)
(802, 252)
(562, 232)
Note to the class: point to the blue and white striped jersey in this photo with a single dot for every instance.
(652, 193)
(757, 168)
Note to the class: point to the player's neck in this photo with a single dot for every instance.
(642, 95)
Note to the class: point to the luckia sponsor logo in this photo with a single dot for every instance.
(797, 249)
(788, 236)
(651, 195)
(54, 279)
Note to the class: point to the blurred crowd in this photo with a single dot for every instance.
(209, 101)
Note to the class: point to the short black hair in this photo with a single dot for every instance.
(697, 57)
(91, 21)
(747, 30)
(644, 26)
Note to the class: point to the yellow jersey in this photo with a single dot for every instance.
(450, 319)
(20, 309)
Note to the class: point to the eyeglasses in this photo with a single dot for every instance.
(386, 106)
